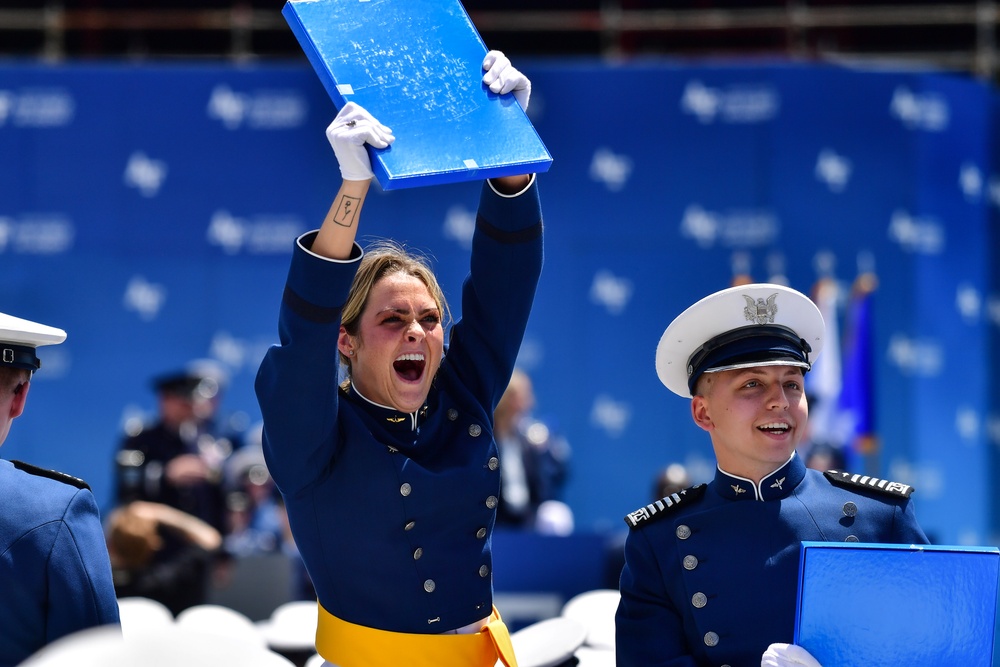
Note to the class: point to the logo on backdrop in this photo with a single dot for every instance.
(36, 108)
(261, 110)
(924, 236)
(38, 234)
(993, 429)
(967, 423)
(833, 170)
(970, 181)
(993, 309)
(923, 111)
(611, 169)
(968, 303)
(740, 229)
(261, 235)
(145, 174)
(919, 357)
(610, 415)
(611, 291)
(238, 354)
(994, 191)
(459, 225)
(144, 297)
(743, 103)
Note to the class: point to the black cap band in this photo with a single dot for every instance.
(748, 345)
(19, 356)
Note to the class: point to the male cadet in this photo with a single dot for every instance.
(55, 576)
(711, 572)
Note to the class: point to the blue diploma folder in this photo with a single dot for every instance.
(416, 65)
(880, 604)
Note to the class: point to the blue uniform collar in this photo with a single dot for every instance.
(391, 417)
(778, 484)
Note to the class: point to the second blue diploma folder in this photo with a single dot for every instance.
(875, 605)
(416, 66)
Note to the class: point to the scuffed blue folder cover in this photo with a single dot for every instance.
(416, 66)
(878, 604)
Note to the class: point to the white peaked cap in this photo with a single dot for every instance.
(20, 337)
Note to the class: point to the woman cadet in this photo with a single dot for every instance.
(391, 479)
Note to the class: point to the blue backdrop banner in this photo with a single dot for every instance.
(150, 212)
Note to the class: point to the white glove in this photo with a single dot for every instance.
(501, 77)
(348, 133)
(787, 655)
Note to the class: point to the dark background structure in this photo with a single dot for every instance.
(952, 36)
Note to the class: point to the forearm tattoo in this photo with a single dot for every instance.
(346, 211)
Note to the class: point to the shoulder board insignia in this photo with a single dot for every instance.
(51, 474)
(849, 480)
(663, 506)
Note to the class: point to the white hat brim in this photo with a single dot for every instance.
(25, 332)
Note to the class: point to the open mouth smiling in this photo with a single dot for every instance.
(775, 428)
(409, 366)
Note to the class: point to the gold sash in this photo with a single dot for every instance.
(348, 645)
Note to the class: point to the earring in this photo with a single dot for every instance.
(350, 353)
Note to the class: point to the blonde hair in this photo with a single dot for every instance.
(382, 258)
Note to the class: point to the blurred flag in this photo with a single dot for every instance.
(823, 382)
(857, 398)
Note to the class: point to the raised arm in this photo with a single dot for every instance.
(502, 78)
(348, 133)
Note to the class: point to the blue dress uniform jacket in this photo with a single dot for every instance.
(711, 575)
(55, 576)
(392, 512)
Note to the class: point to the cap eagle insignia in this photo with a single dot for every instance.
(760, 311)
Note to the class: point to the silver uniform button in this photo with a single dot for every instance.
(429, 585)
(417, 553)
(481, 533)
(690, 562)
(475, 430)
(491, 502)
(683, 532)
(494, 463)
(699, 600)
(850, 509)
(452, 414)
(483, 570)
(405, 489)
(409, 525)
(711, 639)
(852, 538)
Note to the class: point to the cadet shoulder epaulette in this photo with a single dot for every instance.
(51, 474)
(663, 506)
(849, 480)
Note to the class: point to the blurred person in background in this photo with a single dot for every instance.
(161, 553)
(534, 464)
(178, 459)
(55, 574)
(257, 521)
(672, 479)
